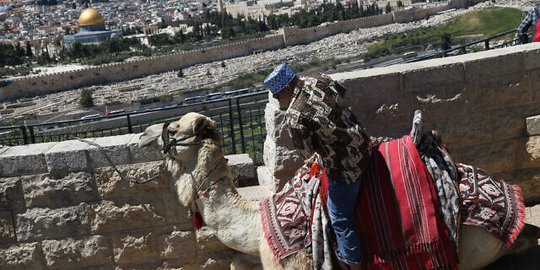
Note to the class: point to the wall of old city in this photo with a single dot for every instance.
(485, 104)
(43, 84)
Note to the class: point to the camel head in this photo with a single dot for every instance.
(181, 142)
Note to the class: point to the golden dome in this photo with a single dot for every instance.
(90, 17)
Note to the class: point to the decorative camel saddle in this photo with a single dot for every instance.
(411, 203)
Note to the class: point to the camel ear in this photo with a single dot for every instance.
(150, 139)
(202, 125)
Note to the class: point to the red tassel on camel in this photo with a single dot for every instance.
(198, 221)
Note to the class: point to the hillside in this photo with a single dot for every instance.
(466, 27)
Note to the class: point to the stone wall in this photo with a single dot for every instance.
(63, 206)
(479, 101)
(43, 84)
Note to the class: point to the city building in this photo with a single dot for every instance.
(92, 29)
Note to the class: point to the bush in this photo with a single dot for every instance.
(86, 100)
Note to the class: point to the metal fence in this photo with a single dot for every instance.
(240, 120)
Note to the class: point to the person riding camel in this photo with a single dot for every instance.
(320, 122)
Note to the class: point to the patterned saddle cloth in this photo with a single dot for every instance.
(397, 219)
(491, 204)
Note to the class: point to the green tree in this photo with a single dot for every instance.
(86, 100)
(387, 8)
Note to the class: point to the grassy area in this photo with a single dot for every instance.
(468, 27)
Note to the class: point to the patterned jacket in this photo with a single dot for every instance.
(320, 122)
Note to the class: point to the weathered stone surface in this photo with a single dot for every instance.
(108, 217)
(179, 245)
(378, 98)
(177, 265)
(45, 191)
(70, 253)
(112, 149)
(529, 182)
(216, 260)
(121, 187)
(529, 152)
(266, 178)
(495, 157)
(7, 230)
(135, 248)
(25, 159)
(26, 256)
(533, 125)
(458, 131)
(11, 193)
(282, 161)
(532, 215)
(139, 155)
(498, 92)
(68, 156)
(43, 223)
(242, 169)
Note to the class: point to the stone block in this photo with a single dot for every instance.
(108, 151)
(531, 57)
(119, 185)
(44, 223)
(489, 64)
(434, 78)
(25, 159)
(378, 98)
(11, 193)
(7, 229)
(27, 256)
(533, 125)
(529, 152)
(529, 182)
(242, 170)
(178, 245)
(274, 121)
(46, 191)
(140, 155)
(498, 91)
(135, 248)
(266, 178)
(495, 157)
(532, 215)
(76, 253)
(68, 156)
(281, 161)
(108, 217)
(464, 131)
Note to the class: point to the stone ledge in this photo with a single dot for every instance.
(533, 125)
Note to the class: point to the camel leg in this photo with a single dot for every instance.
(478, 248)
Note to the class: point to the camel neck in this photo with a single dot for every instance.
(232, 218)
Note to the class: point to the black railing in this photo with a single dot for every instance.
(240, 120)
(463, 49)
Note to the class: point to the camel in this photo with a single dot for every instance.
(195, 159)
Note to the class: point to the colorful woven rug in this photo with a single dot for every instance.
(491, 204)
(286, 215)
(398, 221)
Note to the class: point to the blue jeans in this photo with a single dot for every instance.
(341, 205)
